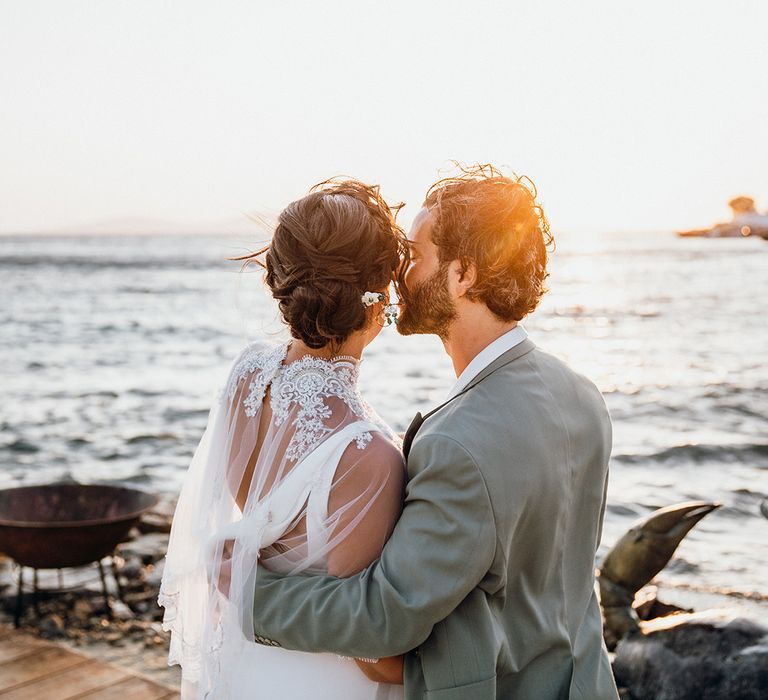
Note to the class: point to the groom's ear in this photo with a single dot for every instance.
(467, 276)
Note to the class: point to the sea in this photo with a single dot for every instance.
(112, 349)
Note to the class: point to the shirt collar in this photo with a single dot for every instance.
(487, 355)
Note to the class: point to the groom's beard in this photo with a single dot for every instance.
(428, 307)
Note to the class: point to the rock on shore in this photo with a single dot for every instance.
(699, 656)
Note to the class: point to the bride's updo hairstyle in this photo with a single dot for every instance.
(327, 250)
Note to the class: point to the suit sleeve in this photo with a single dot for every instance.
(440, 549)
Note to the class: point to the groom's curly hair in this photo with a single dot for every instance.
(329, 248)
(493, 221)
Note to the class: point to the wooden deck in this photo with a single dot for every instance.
(34, 669)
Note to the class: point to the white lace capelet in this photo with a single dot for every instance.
(287, 471)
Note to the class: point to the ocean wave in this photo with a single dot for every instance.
(150, 437)
(581, 311)
(756, 596)
(755, 452)
(176, 414)
(21, 445)
(622, 510)
(738, 512)
(101, 263)
(749, 493)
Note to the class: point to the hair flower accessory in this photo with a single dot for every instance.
(371, 298)
(390, 310)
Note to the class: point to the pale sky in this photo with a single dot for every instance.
(627, 115)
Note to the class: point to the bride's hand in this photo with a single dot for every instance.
(387, 670)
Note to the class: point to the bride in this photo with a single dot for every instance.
(295, 472)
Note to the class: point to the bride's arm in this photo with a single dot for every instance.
(367, 499)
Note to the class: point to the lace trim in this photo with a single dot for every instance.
(181, 651)
(255, 357)
(306, 384)
(363, 440)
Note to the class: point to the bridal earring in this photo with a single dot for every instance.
(391, 314)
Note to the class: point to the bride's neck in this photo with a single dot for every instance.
(352, 347)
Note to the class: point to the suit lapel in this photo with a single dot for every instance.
(413, 428)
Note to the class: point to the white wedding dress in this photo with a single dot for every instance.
(296, 472)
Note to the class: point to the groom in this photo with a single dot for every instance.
(487, 582)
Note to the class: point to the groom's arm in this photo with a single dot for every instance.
(440, 549)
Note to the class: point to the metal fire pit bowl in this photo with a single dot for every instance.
(57, 526)
(62, 525)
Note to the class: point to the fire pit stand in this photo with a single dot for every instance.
(19, 609)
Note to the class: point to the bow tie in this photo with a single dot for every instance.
(413, 428)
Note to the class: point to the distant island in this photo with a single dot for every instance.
(746, 221)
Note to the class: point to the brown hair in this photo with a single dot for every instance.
(493, 221)
(327, 250)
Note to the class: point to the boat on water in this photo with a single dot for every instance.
(746, 221)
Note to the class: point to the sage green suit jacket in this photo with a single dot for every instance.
(487, 582)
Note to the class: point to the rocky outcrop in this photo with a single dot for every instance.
(699, 656)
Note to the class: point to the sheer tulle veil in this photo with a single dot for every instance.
(284, 475)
